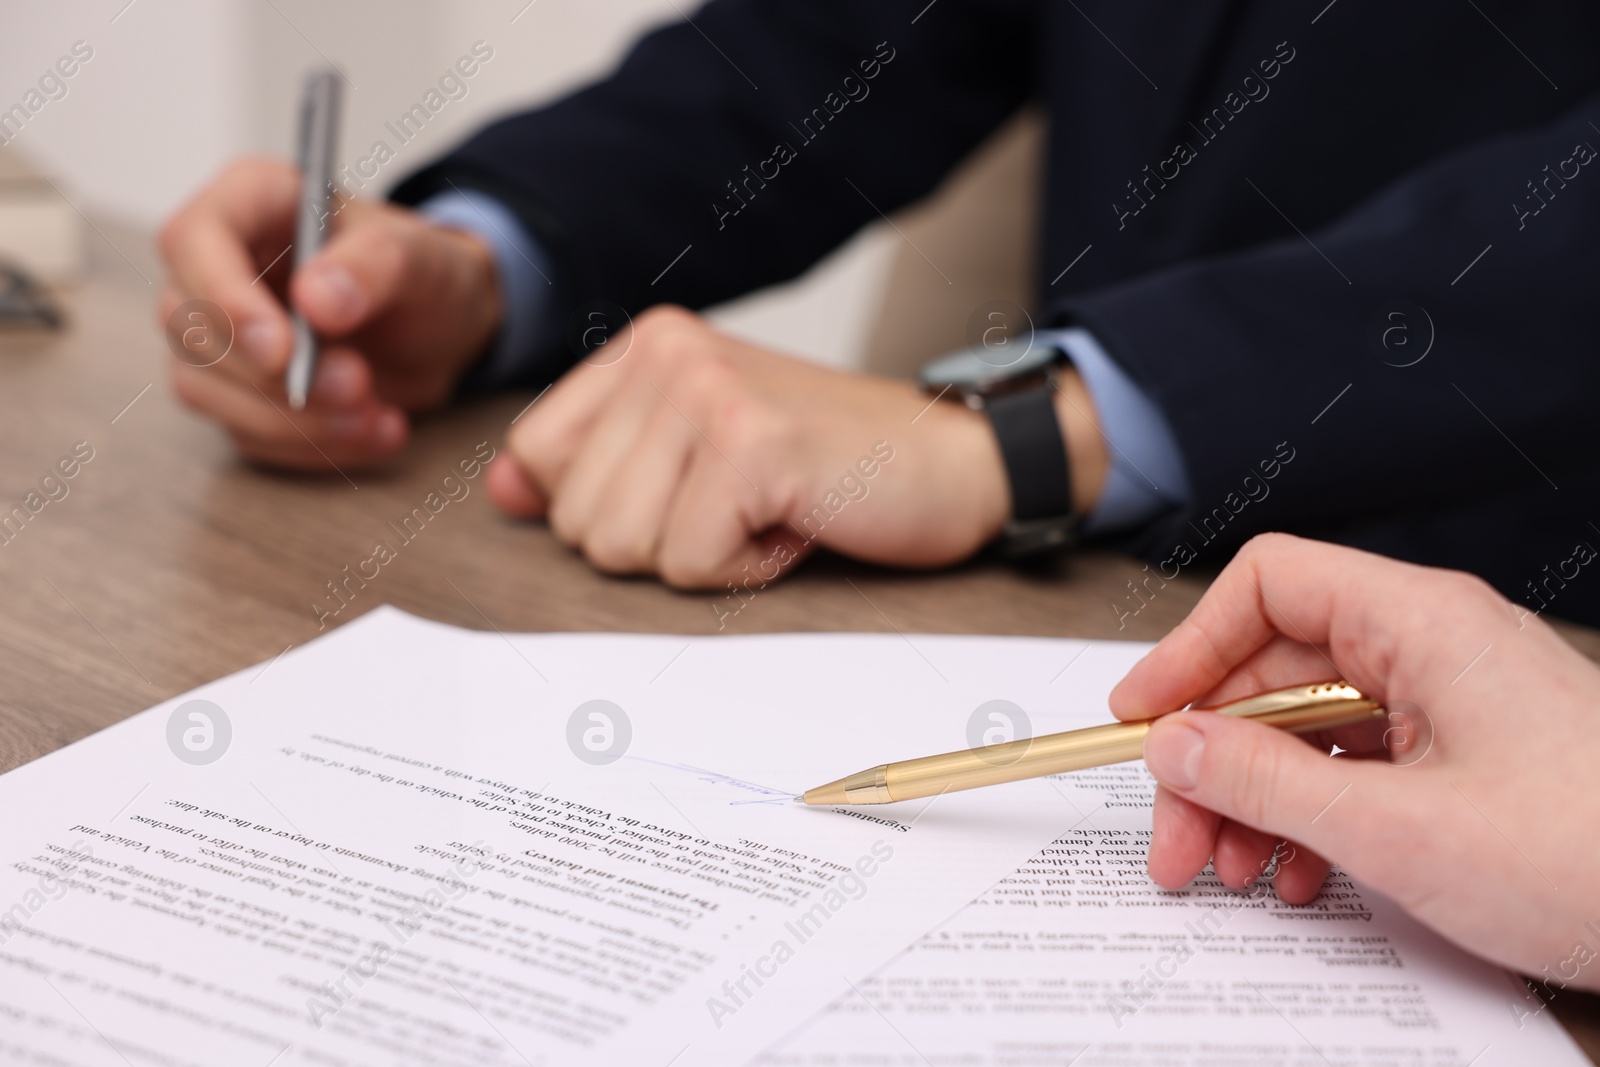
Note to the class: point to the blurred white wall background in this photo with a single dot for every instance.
(175, 88)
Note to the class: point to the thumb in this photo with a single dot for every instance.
(356, 275)
(1270, 780)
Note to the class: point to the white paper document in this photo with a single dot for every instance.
(411, 849)
(407, 843)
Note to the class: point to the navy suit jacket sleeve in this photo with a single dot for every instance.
(1484, 290)
(688, 143)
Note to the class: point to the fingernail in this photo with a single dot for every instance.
(347, 423)
(338, 380)
(262, 340)
(391, 429)
(339, 292)
(1172, 751)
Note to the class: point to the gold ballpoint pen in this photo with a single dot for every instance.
(1299, 709)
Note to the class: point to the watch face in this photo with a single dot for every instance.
(979, 370)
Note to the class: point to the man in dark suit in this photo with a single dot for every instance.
(1309, 266)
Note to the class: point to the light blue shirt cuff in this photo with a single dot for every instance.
(523, 267)
(1147, 475)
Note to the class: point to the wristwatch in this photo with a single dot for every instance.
(1018, 395)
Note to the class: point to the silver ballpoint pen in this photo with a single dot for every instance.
(319, 139)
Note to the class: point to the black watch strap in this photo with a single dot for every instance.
(1035, 456)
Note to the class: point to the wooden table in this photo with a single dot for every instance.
(169, 563)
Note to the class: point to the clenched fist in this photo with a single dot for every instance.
(707, 460)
